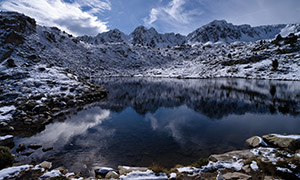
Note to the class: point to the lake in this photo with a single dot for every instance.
(157, 121)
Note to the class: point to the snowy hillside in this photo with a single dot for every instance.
(145, 52)
(227, 32)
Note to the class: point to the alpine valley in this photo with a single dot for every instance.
(168, 99)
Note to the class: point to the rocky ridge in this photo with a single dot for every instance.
(34, 92)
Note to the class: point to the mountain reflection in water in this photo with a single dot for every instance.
(148, 121)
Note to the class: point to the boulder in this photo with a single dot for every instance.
(10, 63)
(236, 176)
(34, 146)
(7, 140)
(21, 148)
(127, 169)
(112, 175)
(283, 141)
(45, 165)
(102, 171)
(256, 141)
(242, 154)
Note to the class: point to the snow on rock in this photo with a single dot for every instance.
(53, 173)
(2, 138)
(266, 154)
(283, 169)
(4, 113)
(254, 166)
(173, 176)
(290, 28)
(220, 30)
(189, 170)
(235, 165)
(296, 137)
(143, 175)
(13, 171)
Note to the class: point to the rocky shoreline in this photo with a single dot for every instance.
(272, 156)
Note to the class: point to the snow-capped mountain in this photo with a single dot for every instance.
(220, 30)
(150, 37)
(216, 31)
(145, 52)
(111, 36)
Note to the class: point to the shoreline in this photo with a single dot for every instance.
(270, 156)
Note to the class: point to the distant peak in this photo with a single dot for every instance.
(218, 22)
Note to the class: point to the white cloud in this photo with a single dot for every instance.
(174, 14)
(69, 17)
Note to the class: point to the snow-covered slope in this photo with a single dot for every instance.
(150, 37)
(145, 52)
(106, 37)
(220, 30)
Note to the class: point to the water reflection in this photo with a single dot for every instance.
(168, 122)
(214, 98)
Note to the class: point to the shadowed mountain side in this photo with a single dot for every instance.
(215, 98)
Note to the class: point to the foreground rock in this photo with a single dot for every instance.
(256, 141)
(283, 141)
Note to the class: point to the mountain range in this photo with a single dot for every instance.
(218, 49)
(216, 31)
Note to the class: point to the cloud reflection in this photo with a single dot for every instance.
(60, 133)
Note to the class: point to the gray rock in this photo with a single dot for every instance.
(256, 141)
(6, 140)
(21, 148)
(102, 171)
(10, 63)
(246, 169)
(112, 175)
(47, 149)
(127, 169)
(34, 146)
(242, 154)
(45, 165)
(278, 140)
(236, 176)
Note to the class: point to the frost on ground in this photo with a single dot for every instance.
(53, 173)
(13, 171)
(140, 175)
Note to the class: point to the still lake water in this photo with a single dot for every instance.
(147, 121)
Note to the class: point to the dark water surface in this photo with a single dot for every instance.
(166, 122)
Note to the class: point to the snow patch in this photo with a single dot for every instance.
(13, 171)
(53, 173)
(173, 176)
(6, 137)
(140, 175)
(224, 164)
(254, 166)
(296, 137)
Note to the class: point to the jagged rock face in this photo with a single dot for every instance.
(17, 22)
(112, 36)
(150, 37)
(227, 32)
(14, 26)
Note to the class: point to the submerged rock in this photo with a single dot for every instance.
(21, 148)
(34, 146)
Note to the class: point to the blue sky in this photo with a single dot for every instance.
(90, 17)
